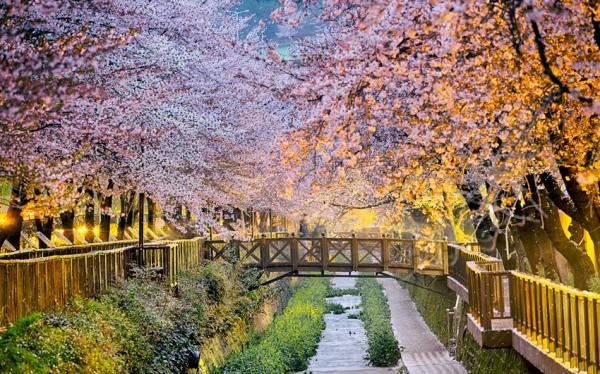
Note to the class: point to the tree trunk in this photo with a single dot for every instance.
(492, 239)
(45, 226)
(538, 246)
(151, 214)
(105, 218)
(67, 220)
(127, 200)
(90, 220)
(587, 212)
(105, 214)
(580, 263)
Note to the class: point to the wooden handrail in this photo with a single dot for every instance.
(342, 254)
(561, 320)
(65, 250)
(47, 282)
(488, 285)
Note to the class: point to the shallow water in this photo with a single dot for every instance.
(343, 344)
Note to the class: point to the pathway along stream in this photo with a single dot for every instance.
(343, 345)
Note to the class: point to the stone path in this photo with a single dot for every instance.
(423, 353)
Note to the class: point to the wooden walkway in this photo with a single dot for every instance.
(423, 353)
(293, 254)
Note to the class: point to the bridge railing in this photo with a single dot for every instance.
(48, 282)
(489, 294)
(458, 257)
(561, 320)
(337, 254)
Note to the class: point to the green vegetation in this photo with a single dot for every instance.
(137, 327)
(476, 360)
(291, 339)
(335, 292)
(335, 308)
(594, 284)
(383, 348)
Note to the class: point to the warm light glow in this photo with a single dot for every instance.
(4, 220)
(82, 230)
(59, 231)
(97, 230)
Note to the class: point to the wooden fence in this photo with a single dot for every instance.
(562, 321)
(554, 326)
(488, 285)
(66, 250)
(50, 281)
(458, 257)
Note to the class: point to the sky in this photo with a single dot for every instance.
(284, 36)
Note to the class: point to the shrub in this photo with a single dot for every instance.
(90, 337)
(335, 292)
(335, 308)
(291, 339)
(383, 350)
(137, 327)
(594, 283)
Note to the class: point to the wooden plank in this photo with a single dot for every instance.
(552, 338)
(545, 318)
(3, 289)
(574, 330)
(10, 292)
(560, 325)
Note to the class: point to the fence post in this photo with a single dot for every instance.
(415, 254)
(354, 252)
(294, 251)
(238, 254)
(202, 249)
(445, 255)
(166, 262)
(264, 252)
(324, 252)
(385, 252)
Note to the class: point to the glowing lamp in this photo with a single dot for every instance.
(82, 230)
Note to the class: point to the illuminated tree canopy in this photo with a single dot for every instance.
(479, 109)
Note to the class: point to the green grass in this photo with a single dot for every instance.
(383, 350)
(291, 339)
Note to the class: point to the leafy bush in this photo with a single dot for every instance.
(291, 339)
(137, 327)
(383, 348)
(335, 308)
(594, 283)
(335, 292)
(92, 337)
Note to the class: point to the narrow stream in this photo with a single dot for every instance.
(343, 345)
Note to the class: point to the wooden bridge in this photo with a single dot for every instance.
(555, 327)
(323, 254)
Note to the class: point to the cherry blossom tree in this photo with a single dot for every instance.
(496, 99)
